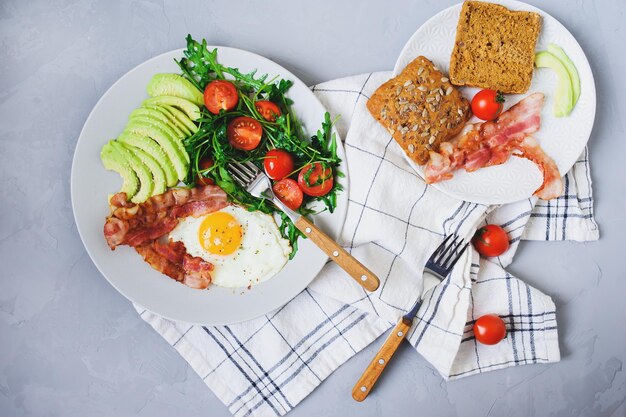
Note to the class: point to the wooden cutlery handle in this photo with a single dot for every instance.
(380, 361)
(360, 273)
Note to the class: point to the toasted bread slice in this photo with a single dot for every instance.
(494, 48)
(420, 108)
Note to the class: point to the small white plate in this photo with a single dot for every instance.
(562, 138)
(124, 268)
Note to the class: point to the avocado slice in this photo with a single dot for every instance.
(563, 96)
(172, 121)
(173, 147)
(158, 116)
(113, 160)
(158, 175)
(558, 52)
(190, 109)
(168, 131)
(153, 149)
(174, 85)
(182, 118)
(146, 184)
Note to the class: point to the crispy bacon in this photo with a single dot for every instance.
(492, 143)
(552, 186)
(135, 225)
(171, 258)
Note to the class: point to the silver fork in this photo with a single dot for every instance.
(259, 185)
(438, 267)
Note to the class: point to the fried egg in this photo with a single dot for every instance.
(245, 247)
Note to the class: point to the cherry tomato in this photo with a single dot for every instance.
(220, 95)
(244, 133)
(268, 110)
(487, 104)
(204, 163)
(278, 164)
(315, 180)
(491, 240)
(489, 329)
(288, 191)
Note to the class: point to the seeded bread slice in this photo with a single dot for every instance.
(420, 108)
(494, 48)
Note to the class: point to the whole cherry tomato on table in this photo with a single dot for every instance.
(268, 110)
(491, 240)
(244, 133)
(278, 164)
(489, 329)
(204, 163)
(220, 95)
(487, 104)
(288, 191)
(315, 180)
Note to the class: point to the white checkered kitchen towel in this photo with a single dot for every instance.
(265, 366)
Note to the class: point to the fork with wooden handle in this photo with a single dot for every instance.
(259, 185)
(438, 266)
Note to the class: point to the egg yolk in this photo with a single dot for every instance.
(220, 233)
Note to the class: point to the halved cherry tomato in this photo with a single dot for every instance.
(288, 191)
(491, 240)
(268, 110)
(278, 164)
(489, 329)
(204, 163)
(244, 133)
(315, 180)
(487, 104)
(220, 95)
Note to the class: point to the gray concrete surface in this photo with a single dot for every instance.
(70, 345)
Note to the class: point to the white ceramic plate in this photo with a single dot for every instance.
(562, 138)
(124, 268)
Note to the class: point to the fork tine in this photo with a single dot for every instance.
(239, 176)
(246, 168)
(455, 260)
(255, 170)
(441, 247)
(448, 244)
(452, 256)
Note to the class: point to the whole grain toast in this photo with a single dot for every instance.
(420, 108)
(494, 48)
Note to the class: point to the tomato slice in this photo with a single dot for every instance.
(491, 240)
(220, 95)
(268, 110)
(288, 191)
(489, 329)
(487, 104)
(244, 133)
(206, 162)
(278, 164)
(315, 180)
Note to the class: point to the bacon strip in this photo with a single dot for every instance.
(172, 259)
(552, 186)
(134, 225)
(492, 143)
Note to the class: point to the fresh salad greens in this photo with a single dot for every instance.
(201, 67)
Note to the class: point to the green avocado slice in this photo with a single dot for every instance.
(173, 147)
(563, 95)
(153, 149)
(182, 118)
(174, 85)
(173, 121)
(558, 52)
(146, 184)
(190, 109)
(157, 116)
(158, 175)
(113, 160)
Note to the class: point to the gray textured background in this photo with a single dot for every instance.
(70, 345)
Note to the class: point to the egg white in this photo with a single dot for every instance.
(261, 255)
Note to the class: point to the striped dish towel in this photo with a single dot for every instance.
(265, 366)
